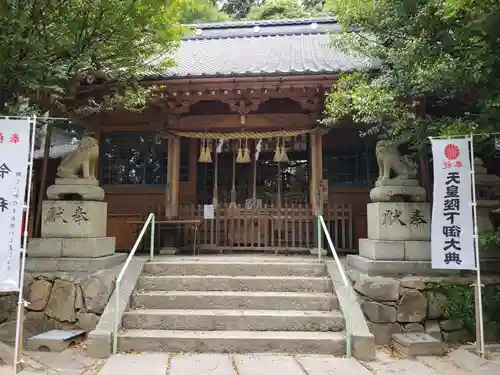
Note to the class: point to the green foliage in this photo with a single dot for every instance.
(239, 9)
(489, 240)
(48, 47)
(440, 66)
(202, 11)
(273, 9)
(277, 9)
(461, 304)
(313, 5)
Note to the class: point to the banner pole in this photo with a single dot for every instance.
(478, 289)
(21, 303)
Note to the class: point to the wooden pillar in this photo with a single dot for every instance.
(176, 145)
(319, 169)
(316, 176)
(316, 157)
(173, 175)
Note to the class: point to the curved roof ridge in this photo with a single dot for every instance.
(280, 22)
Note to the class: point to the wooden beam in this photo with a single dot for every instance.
(275, 121)
(226, 82)
(242, 104)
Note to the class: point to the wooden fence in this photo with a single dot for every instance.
(270, 227)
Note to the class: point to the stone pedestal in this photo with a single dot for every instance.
(58, 247)
(74, 219)
(397, 231)
(73, 230)
(84, 189)
(399, 221)
(399, 227)
(388, 190)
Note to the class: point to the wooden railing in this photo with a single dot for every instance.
(269, 227)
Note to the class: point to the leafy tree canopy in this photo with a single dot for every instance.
(313, 5)
(48, 47)
(277, 9)
(440, 70)
(239, 9)
(201, 11)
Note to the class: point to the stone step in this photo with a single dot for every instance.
(234, 300)
(417, 344)
(236, 283)
(234, 320)
(234, 268)
(146, 363)
(231, 341)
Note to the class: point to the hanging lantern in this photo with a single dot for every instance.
(205, 155)
(246, 153)
(239, 155)
(208, 154)
(277, 152)
(284, 156)
(202, 157)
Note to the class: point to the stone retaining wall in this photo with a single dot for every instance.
(58, 301)
(414, 304)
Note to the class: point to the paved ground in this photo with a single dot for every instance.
(74, 362)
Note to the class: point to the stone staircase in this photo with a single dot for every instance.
(237, 305)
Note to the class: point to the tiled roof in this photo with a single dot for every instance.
(61, 144)
(262, 48)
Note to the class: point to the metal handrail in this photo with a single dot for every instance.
(150, 220)
(343, 275)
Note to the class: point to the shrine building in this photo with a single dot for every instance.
(236, 136)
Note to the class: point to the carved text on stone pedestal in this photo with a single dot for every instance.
(417, 218)
(392, 216)
(80, 215)
(54, 214)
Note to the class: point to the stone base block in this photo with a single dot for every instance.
(169, 251)
(394, 250)
(395, 267)
(417, 344)
(87, 190)
(390, 193)
(55, 340)
(418, 250)
(71, 247)
(383, 250)
(314, 251)
(399, 221)
(73, 264)
(74, 219)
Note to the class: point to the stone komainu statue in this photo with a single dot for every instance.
(389, 159)
(81, 163)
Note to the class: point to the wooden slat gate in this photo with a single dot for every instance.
(268, 228)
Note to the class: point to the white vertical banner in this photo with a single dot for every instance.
(452, 230)
(14, 163)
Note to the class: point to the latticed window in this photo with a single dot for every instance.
(130, 158)
(350, 167)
